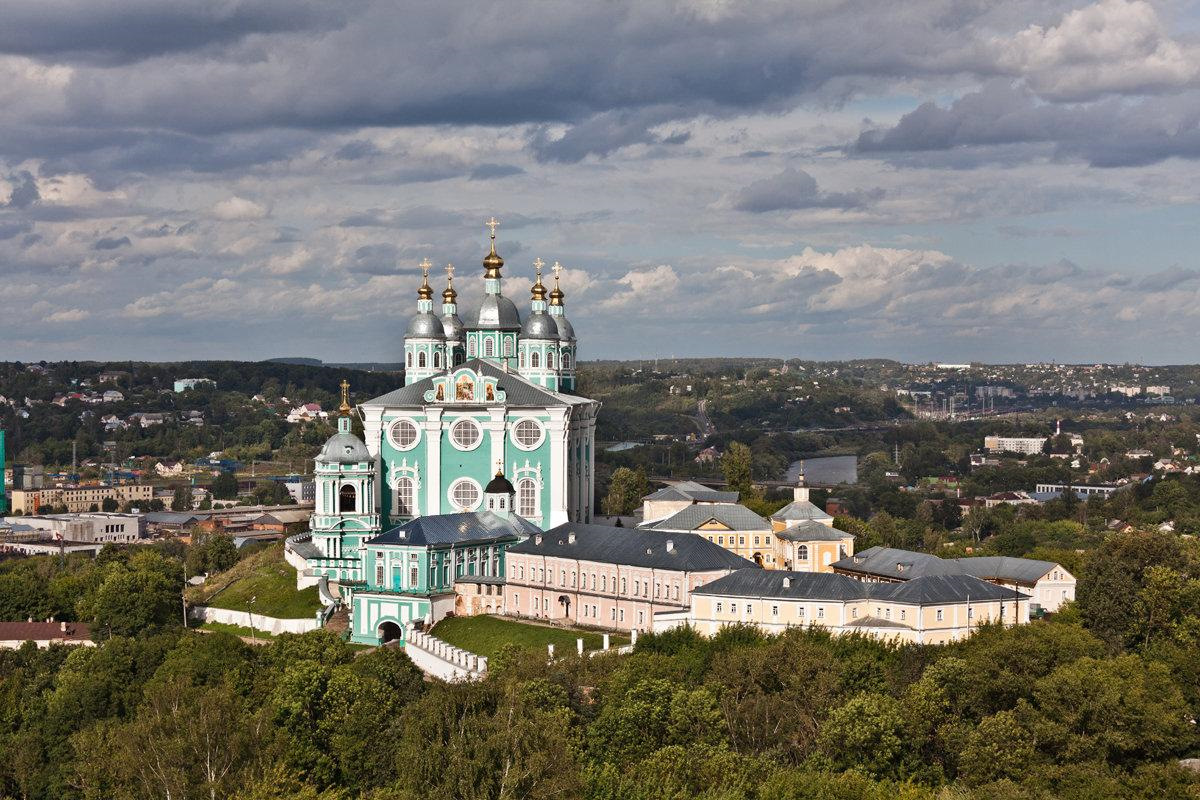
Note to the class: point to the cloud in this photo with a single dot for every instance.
(24, 190)
(603, 134)
(111, 243)
(375, 259)
(238, 208)
(485, 172)
(13, 228)
(1112, 46)
(67, 315)
(795, 189)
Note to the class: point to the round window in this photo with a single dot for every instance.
(404, 434)
(465, 494)
(465, 434)
(528, 434)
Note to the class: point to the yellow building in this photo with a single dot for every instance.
(79, 499)
(732, 526)
(811, 547)
(929, 610)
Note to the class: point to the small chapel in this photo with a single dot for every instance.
(483, 446)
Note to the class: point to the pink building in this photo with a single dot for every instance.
(616, 578)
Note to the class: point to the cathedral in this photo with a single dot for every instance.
(483, 446)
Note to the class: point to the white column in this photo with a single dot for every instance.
(433, 462)
(556, 431)
(495, 429)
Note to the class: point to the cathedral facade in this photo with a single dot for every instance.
(483, 444)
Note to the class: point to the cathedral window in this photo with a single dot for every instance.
(566, 360)
(527, 434)
(437, 360)
(470, 348)
(466, 434)
(489, 348)
(347, 497)
(550, 360)
(404, 498)
(527, 505)
(534, 362)
(403, 434)
(409, 360)
(521, 360)
(465, 494)
(420, 360)
(802, 553)
(508, 348)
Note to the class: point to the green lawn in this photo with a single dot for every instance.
(236, 630)
(273, 585)
(485, 635)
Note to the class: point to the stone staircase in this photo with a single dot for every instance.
(339, 622)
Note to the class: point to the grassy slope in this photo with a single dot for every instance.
(486, 635)
(266, 577)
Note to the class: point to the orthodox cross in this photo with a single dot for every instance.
(345, 406)
(492, 223)
(538, 264)
(557, 269)
(425, 265)
(450, 273)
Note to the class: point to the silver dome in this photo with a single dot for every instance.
(539, 325)
(497, 311)
(453, 327)
(424, 325)
(344, 448)
(565, 331)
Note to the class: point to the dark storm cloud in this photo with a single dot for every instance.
(359, 148)
(603, 134)
(485, 172)
(110, 243)
(795, 189)
(1110, 133)
(24, 190)
(123, 31)
(375, 259)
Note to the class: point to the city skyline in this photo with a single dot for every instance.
(931, 182)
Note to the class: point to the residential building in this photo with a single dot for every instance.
(732, 526)
(302, 490)
(1027, 445)
(1082, 490)
(615, 578)
(811, 546)
(43, 634)
(1048, 584)
(932, 609)
(79, 498)
(677, 496)
(169, 468)
(183, 384)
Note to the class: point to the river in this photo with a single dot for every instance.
(828, 470)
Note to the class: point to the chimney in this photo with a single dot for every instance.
(670, 546)
(787, 581)
(571, 537)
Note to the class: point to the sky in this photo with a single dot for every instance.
(933, 180)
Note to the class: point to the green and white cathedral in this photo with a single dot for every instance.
(484, 445)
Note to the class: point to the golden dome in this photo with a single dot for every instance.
(448, 294)
(538, 290)
(492, 262)
(556, 294)
(426, 291)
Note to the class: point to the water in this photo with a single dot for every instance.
(828, 470)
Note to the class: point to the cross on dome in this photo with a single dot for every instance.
(558, 268)
(538, 264)
(492, 223)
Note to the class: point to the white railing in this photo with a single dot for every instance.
(442, 659)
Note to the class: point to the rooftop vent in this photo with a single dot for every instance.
(670, 546)
(787, 582)
(571, 537)
(900, 566)
(537, 539)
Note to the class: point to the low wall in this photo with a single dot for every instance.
(441, 660)
(261, 623)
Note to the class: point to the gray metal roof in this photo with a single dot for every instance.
(518, 391)
(928, 590)
(566, 331)
(424, 325)
(539, 325)
(799, 509)
(495, 312)
(731, 515)
(632, 547)
(690, 490)
(453, 327)
(877, 622)
(890, 562)
(344, 448)
(468, 527)
(810, 530)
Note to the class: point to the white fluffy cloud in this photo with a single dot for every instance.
(238, 208)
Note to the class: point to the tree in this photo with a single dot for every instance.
(1000, 747)
(626, 489)
(225, 486)
(737, 465)
(181, 500)
(109, 504)
(128, 603)
(866, 733)
(1113, 578)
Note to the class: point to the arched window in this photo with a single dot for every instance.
(489, 348)
(527, 497)
(521, 360)
(550, 359)
(410, 359)
(347, 496)
(421, 360)
(471, 348)
(566, 360)
(508, 348)
(841, 551)
(404, 498)
(534, 361)
(802, 553)
(458, 357)
(437, 360)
